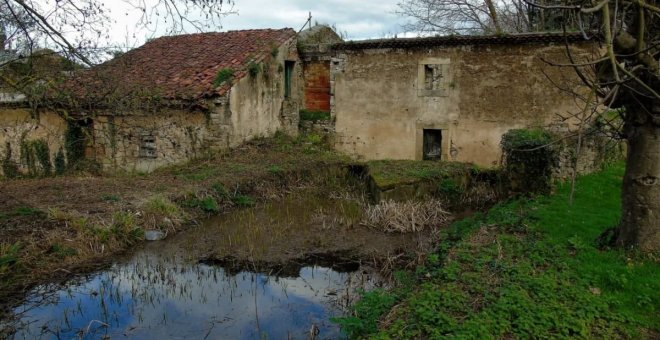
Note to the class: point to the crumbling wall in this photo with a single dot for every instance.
(256, 105)
(382, 103)
(19, 126)
(145, 142)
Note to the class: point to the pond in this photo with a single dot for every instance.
(273, 271)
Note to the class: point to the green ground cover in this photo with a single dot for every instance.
(527, 269)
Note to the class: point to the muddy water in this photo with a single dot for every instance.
(274, 272)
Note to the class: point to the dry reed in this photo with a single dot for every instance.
(405, 217)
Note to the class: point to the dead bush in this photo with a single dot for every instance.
(405, 217)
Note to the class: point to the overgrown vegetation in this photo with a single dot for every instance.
(223, 75)
(527, 269)
(35, 156)
(387, 173)
(253, 69)
(314, 116)
(9, 168)
(528, 159)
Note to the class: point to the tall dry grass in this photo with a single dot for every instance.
(405, 217)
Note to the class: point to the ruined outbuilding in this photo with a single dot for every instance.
(174, 99)
(178, 98)
(447, 98)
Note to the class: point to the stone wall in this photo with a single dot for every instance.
(384, 99)
(145, 142)
(596, 150)
(324, 128)
(256, 106)
(19, 125)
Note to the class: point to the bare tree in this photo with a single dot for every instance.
(626, 81)
(477, 16)
(450, 16)
(77, 28)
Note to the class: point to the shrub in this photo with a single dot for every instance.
(9, 168)
(223, 76)
(60, 162)
(314, 116)
(528, 159)
(243, 200)
(253, 69)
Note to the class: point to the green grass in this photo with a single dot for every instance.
(21, 211)
(110, 198)
(388, 172)
(162, 206)
(528, 269)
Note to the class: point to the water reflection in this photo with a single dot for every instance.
(263, 276)
(168, 297)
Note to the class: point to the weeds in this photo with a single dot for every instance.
(163, 207)
(124, 228)
(223, 75)
(275, 169)
(207, 204)
(243, 200)
(9, 255)
(110, 198)
(314, 116)
(62, 251)
(410, 216)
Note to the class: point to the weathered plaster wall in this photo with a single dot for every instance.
(18, 125)
(381, 106)
(256, 105)
(145, 142)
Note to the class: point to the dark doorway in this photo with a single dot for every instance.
(432, 144)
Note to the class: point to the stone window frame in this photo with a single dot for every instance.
(148, 145)
(442, 90)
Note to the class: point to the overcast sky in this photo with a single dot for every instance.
(358, 19)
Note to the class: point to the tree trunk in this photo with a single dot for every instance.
(640, 221)
(493, 16)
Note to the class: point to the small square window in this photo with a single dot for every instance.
(148, 146)
(433, 78)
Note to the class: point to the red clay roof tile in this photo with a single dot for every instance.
(180, 67)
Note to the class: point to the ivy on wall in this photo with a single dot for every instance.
(9, 168)
(529, 158)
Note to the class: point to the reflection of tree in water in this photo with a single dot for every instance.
(166, 295)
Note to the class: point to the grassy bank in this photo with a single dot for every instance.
(529, 268)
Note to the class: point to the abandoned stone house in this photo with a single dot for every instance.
(171, 100)
(175, 98)
(449, 98)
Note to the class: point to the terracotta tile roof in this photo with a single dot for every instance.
(179, 67)
(511, 39)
